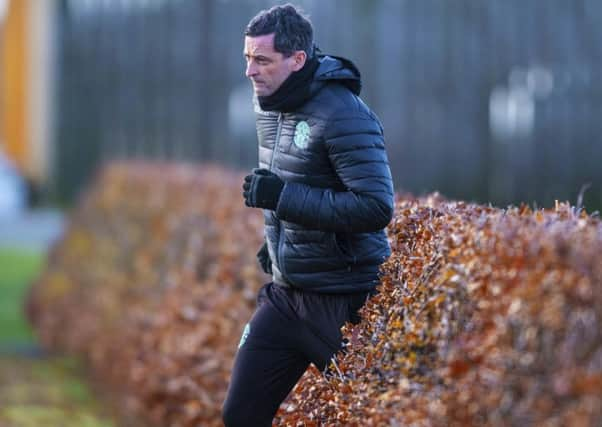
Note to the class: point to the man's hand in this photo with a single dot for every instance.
(262, 189)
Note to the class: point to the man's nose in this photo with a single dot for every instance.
(251, 69)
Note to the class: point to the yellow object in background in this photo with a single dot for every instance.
(13, 83)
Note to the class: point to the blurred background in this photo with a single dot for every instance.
(494, 101)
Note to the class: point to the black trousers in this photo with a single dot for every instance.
(289, 330)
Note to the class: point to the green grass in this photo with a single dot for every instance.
(47, 392)
(17, 270)
(50, 391)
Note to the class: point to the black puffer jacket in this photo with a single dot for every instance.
(327, 233)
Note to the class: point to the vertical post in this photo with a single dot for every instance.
(15, 94)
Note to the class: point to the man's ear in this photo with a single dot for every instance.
(299, 58)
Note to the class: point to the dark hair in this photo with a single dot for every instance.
(292, 30)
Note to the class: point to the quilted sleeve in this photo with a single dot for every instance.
(356, 149)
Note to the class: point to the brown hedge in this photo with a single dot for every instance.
(484, 317)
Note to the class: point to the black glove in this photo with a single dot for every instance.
(264, 259)
(262, 189)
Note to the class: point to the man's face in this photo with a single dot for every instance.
(267, 68)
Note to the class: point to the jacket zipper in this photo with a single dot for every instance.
(277, 141)
(281, 228)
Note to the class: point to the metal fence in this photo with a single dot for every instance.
(495, 101)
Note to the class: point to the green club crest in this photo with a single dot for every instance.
(301, 138)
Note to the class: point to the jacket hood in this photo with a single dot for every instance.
(339, 69)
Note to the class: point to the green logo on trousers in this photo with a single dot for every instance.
(245, 334)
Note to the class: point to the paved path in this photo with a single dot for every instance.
(34, 230)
